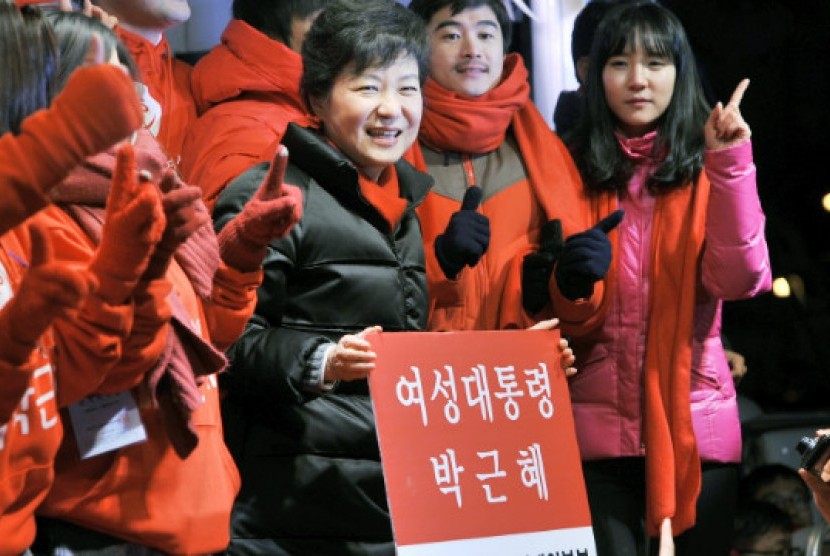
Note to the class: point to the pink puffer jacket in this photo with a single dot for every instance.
(607, 392)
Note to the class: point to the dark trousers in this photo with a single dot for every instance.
(61, 538)
(616, 495)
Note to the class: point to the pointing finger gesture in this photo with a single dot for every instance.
(726, 126)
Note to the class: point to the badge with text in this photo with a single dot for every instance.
(106, 423)
(478, 445)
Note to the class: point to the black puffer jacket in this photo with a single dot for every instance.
(310, 466)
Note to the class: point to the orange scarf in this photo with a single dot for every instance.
(458, 123)
(474, 125)
(384, 196)
(673, 474)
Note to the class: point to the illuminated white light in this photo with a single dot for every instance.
(825, 202)
(781, 287)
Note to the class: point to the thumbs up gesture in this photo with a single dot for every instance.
(537, 267)
(271, 213)
(466, 238)
(585, 258)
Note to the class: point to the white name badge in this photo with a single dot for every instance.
(106, 423)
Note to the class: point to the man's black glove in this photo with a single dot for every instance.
(466, 238)
(537, 267)
(586, 258)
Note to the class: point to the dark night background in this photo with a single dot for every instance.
(783, 46)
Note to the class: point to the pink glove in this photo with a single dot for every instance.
(185, 214)
(49, 290)
(133, 225)
(271, 213)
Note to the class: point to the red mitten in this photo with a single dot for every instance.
(185, 213)
(271, 213)
(133, 225)
(97, 108)
(48, 291)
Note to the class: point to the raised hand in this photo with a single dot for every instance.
(352, 357)
(49, 290)
(133, 226)
(725, 126)
(184, 214)
(586, 257)
(271, 213)
(537, 267)
(466, 238)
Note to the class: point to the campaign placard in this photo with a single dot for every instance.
(478, 445)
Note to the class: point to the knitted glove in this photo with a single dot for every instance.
(133, 225)
(537, 267)
(271, 213)
(48, 291)
(466, 238)
(97, 108)
(586, 258)
(185, 213)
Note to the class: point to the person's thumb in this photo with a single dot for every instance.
(472, 198)
(41, 246)
(611, 221)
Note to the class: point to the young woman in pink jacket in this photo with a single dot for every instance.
(654, 402)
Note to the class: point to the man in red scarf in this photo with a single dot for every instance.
(165, 81)
(480, 128)
(246, 90)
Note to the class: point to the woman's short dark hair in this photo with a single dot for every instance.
(73, 31)
(679, 130)
(273, 17)
(363, 33)
(427, 8)
(28, 62)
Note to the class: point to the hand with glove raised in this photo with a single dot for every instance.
(271, 213)
(184, 213)
(133, 225)
(48, 291)
(585, 259)
(466, 238)
(97, 108)
(537, 267)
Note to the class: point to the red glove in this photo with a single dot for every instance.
(185, 213)
(48, 291)
(133, 225)
(271, 213)
(97, 108)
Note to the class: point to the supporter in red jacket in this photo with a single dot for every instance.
(502, 178)
(164, 480)
(165, 81)
(247, 89)
(37, 149)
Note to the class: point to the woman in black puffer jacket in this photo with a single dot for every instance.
(297, 411)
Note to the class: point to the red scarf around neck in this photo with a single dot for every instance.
(673, 474)
(474, 125)
(384, 196)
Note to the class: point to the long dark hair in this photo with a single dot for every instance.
(601, 161)
(73, 31)
(28, 61)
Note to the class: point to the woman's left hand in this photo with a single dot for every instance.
(725, 126)
(567, 359)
